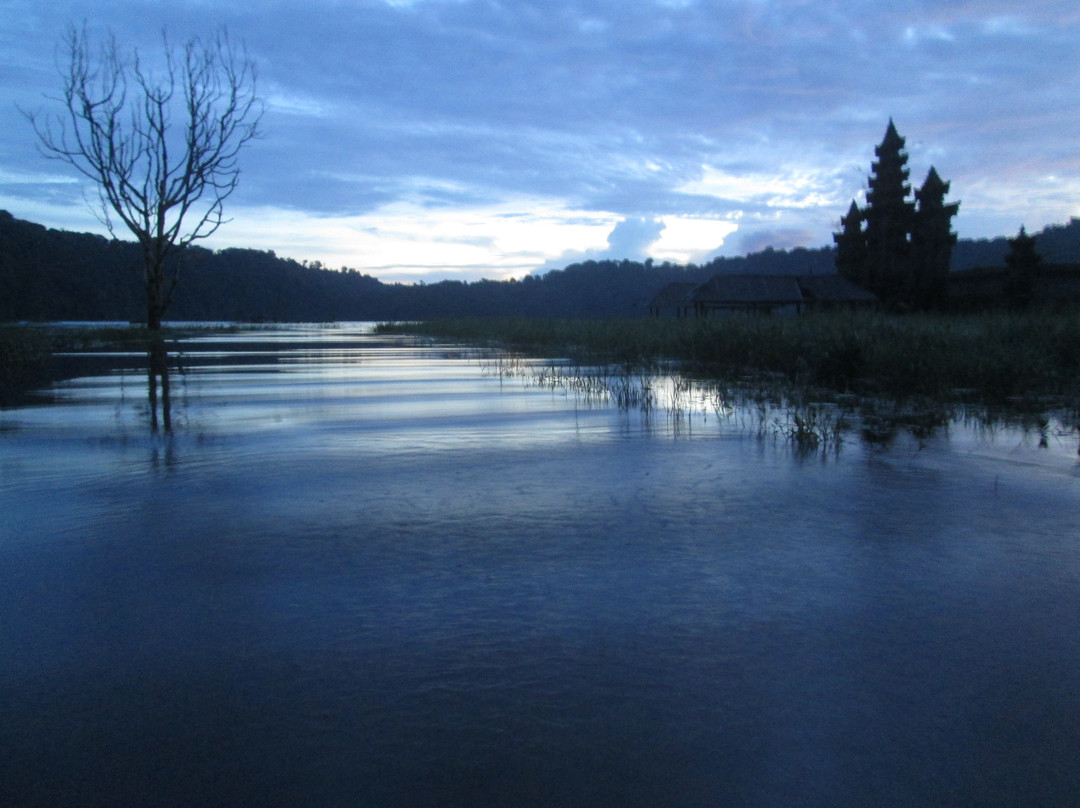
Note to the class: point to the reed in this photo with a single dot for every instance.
(25, 347)
(991, 358)
(22, 347)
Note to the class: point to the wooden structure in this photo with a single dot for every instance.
(674, 300)
(763, 294)
(766, 294)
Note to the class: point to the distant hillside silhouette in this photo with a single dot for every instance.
(58, 275)
(1056, 243)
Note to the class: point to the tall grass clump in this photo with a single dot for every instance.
(22, 347)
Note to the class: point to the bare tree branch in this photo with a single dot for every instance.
(161, 147)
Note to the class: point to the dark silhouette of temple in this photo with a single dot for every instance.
(896, 247)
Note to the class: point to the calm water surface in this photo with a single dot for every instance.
(365, 572)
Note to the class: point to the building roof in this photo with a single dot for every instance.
(674, 295)
(833, 289)
(749, 290)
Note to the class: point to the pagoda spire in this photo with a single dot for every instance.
(932, 241)
(851, 246)
(888, 216)
(896, 247)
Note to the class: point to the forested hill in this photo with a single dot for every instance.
(57, 275)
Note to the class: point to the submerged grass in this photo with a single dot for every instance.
(1019, 359)
(22, 347)
(25, 349)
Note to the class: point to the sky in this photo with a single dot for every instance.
(421, 140)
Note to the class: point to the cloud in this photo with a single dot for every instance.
(689, 240)
(410, 240)
(625, 239)
(780, 239)
(462, 138)
(783, 187)
(678, 239)
(631, 238)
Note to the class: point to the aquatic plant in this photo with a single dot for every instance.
(813, 426)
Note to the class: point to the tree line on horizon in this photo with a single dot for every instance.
(50, 274)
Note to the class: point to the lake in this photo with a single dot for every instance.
(373, 571)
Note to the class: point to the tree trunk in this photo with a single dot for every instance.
(157, 300)
(158, 374)
(155, 292)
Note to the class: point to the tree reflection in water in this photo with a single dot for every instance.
(158, 378)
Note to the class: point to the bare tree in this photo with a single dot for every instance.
(161, 146)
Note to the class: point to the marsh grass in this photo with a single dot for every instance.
(27, 351)
(757, 407)
(809, 379)
(627, 388)
(813, 427)
(1014, 359)
(26, 345)
(22, 347)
